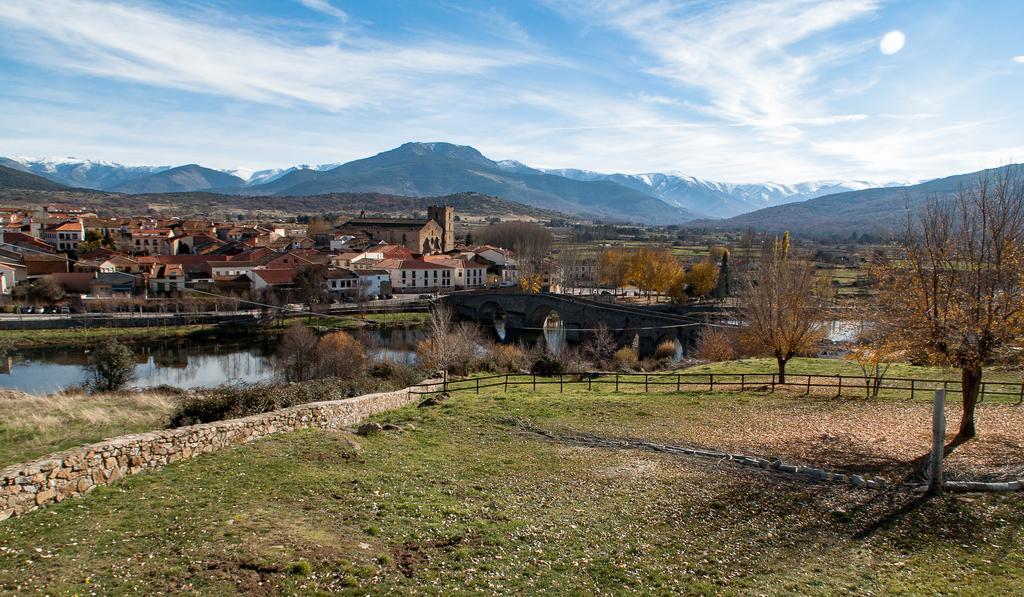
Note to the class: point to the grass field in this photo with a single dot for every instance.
(33, 426)
(470, 502)
(819, 366)
(27, 339)
(18, 339)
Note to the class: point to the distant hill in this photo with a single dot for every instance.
(202, 204)
(426, 169)
(19, 179)
(876, 211)
(183, 179)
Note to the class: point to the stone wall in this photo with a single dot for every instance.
(54, 478)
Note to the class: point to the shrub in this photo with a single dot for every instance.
(665, 350)
(626, 358)
(381, 370)
(339, 355)
(715, 345)
(547, 364)
(111, 366)
(509, 358)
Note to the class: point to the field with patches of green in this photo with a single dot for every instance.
(469, 501)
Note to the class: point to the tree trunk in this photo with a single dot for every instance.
(782, 369)
(970, 381)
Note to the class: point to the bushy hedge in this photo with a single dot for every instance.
(234, 401)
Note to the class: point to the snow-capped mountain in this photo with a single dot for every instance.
(258, 177)
(679, 191)
(108, 176)
(722, 199)
(75, 172)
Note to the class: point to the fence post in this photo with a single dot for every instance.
(840, 394)
(912, 383)
(773, 383)
(478, 385)
(711, 381)
(559, 383)
(534, 381)
(616, 382)
(444, 378)
(590, 381)
(646, 390)
(808, 385)
(506, 383)
(679, 383)
(743, 379)
(938, 442)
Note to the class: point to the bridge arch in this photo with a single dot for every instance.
(536, 318)
(493, 313)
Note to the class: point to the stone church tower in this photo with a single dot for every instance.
(445, 218)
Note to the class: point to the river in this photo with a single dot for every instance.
(184, 364)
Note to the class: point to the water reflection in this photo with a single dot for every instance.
(188, 364)
(554, 334)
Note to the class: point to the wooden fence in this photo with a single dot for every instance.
(821, 385)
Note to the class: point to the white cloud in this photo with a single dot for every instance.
(892, 42)
(742, 55)
(148, 46)
(1018, 58)
(325, 7)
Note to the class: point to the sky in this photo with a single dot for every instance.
(737, 91)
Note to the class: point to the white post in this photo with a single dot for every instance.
(938, 442)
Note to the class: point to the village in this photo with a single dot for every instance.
(61, 259)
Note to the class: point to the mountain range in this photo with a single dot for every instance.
(875, 210)
(431, 169)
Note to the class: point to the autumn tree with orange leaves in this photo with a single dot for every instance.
(956, 297)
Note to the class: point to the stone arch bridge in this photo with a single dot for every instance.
(649, 326)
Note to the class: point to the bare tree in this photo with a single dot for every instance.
(450, 346)
(297, 353)
(530, 242)
(956, 298)
(781, 313)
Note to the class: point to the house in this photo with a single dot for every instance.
(166, 278)
(468, 273)
(273, 279)
(501, 263)
(115, 262)
(11, 272)
(341, 282)
(112, 284)
(154, 241)
(374, 283)
(41, 264)
(64, 236)
(411, 275)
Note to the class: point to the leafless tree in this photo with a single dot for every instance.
(449, 346)
(297, 353)
(781, 312)
(530, 242)
(956, 297)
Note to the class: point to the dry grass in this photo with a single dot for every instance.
(31, 426)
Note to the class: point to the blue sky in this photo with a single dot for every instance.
(787, 90)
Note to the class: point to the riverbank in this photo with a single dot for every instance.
(85, 337)
(406, 510)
